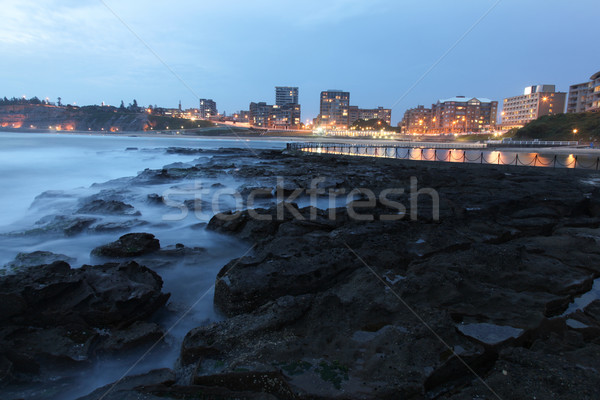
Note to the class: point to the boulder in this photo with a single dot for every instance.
(55, 317)
(130, 245)
(24, 260)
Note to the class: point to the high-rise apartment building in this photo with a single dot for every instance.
(416, 120)
(285, 114)
(334, 109)
(462, 115)
(286, 95)
(261, 114)
(536, 101)
(207, 109)
(585, 96)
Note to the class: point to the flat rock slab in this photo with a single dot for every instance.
(489, 333)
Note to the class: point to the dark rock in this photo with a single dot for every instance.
(134, 337)
(110, 294)
(132, 387)
(489, 334)
(116, 226)
(108, 207)
(255, 381)
(244, 285)
(593, 310)
(130, 245)
(520, 373)
(198, 206)
(172, 255)
(156, 199)
(24, 260)
(222, 337)
(58, 224)
(184, 150)
(52, 315)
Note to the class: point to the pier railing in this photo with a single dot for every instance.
(489, 157)
(530, 143)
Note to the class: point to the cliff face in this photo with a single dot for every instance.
(94, 118)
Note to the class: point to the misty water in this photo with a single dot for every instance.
(43, 175)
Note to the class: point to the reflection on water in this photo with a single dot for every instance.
(457, 155)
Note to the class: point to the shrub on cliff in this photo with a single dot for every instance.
(583, 126)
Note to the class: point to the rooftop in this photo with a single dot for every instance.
(463, 99)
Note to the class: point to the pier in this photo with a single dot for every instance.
(452, 152)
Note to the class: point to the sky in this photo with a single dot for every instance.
(391, 53)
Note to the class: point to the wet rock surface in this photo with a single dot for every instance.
(26, 260)
(472, 298)
(110, 207)
(345, 308)
(130, 245)
(54, 317)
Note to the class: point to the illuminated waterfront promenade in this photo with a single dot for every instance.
(453, 152)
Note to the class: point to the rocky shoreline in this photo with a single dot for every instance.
(476, 303)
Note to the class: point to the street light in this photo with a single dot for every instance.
(575, 131)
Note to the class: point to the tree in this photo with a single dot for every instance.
(122, 106)
(134, 106)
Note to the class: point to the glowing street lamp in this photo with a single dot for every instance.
(575, 131)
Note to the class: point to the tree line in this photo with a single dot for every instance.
(21, 101)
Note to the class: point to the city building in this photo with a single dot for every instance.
(585, 96)
(536, 101)
(274, 116)
(286, 116)
(416, 120)
(384, 114)
(463, 115)
(207, 109)
(287, 110)
(334, 110)
(353, 114)
(261, 114)
(286, 95)
(241, 116)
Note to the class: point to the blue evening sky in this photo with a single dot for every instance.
(236, 51)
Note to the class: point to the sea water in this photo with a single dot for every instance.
(68, 168)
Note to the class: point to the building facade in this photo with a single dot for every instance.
(207, 109)
(286, 95)
(261, 114)
(265, 115)
(285, 114)
(334, 110)
(384, 114)
(463, 115)
(585, 97)
(355, 113)
(416, 120)
(535, 102)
